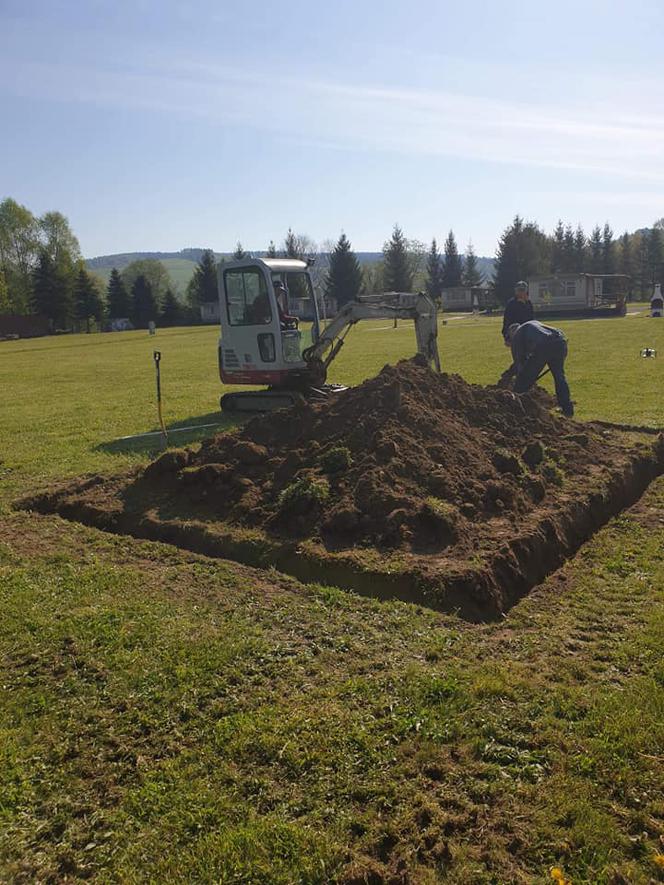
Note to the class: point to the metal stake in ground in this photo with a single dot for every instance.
(157, 359)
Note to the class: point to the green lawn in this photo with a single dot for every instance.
(167, 717)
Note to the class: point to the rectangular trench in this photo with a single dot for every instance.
(480, 592)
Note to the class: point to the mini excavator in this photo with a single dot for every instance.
(261, 342)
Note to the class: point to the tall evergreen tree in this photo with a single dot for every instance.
(397, 269)
(344, 277)
(655, 251)
(558, 248)
(43, 285)
(642, 264)
(144, 303)
(434, 280)
(523, 251)
(271, 250)
(239, 253)
(87, 301)
(596, 248)
(452, 263)
(117, 298)
(472, 277)
(626, 255)
(568, 253)
(53, 290)
(172, 312)
(292, 245)
(202, 287)
(580, 250)
(608, 250)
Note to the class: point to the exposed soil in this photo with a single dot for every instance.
(466, 494)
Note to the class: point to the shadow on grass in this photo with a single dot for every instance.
(180, 433)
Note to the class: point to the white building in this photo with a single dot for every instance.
(578, 292)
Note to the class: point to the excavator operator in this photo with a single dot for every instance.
(286, 320)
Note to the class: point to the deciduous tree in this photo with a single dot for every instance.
(153, 271)
(19, 252)
(5, 304)
(60, 240)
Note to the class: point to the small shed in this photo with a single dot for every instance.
(210, 312)
(466, 298)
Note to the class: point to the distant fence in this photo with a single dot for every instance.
(15, 325)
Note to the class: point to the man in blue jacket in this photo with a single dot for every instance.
(518, 309)
(535, 346)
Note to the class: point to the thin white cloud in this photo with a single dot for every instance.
(411, 121)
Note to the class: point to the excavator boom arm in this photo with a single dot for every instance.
(423, 313)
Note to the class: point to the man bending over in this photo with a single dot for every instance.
(535, 346)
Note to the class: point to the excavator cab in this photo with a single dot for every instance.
(266, 340)
(269, 315)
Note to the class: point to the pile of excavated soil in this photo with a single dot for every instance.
(414, 484)
(409, 459)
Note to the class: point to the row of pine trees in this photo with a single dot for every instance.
(41, 269)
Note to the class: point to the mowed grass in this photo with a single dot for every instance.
(166, 717)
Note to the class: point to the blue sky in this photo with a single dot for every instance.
(161, 125)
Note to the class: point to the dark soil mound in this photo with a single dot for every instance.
(408, 459)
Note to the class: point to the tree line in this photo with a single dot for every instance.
(525, 250)
(42, 271)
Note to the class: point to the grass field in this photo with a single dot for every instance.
(167, 717)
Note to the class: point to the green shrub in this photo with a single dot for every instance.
(336, 459)
(304, 492)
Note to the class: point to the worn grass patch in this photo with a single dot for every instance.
(166, 717)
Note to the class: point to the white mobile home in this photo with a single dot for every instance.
(578, 292)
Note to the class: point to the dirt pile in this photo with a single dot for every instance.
(414, 485)
(408, 459)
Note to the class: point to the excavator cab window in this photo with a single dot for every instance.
(247, 299)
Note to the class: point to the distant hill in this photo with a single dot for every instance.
(180, 265)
